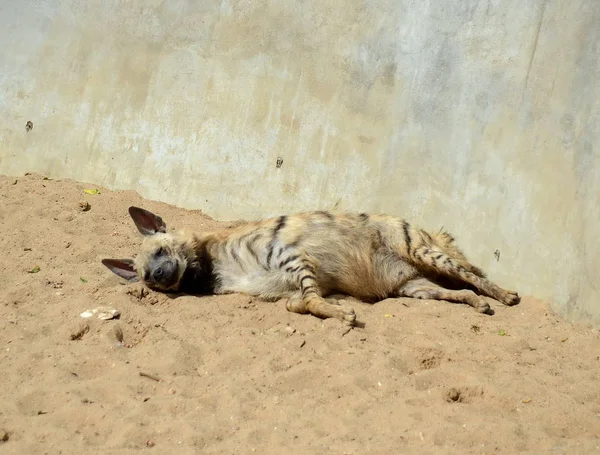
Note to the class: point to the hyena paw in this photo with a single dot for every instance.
(483, 307)
(347, 314)
(349, 317)
(510, 298)
(341, 310)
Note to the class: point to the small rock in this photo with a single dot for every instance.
(452, 395)
(150, 443)
(302, 343)
(84, 206)
(102, 312)
(4, 435)
(85, 400)
(290, 330)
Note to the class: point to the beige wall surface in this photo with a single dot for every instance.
(479, 115)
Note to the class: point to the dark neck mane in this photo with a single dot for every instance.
(199, 277)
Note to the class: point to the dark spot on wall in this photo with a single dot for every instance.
(388, 78)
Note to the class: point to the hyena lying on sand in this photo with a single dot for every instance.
(306, 257)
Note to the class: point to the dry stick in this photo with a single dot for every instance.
(150, 376)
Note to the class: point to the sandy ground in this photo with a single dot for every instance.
(236, 375)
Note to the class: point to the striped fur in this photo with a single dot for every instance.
(307, 257)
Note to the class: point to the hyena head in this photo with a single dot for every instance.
(163, 257)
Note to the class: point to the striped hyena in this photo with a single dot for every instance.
(306, 257)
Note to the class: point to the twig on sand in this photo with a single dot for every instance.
(150, 376)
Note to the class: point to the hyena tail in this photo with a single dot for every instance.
(445, 242)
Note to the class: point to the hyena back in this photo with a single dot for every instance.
(307, 257)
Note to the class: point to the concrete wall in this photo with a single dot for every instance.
(479, 115)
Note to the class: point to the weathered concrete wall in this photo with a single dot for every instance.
(479, 115)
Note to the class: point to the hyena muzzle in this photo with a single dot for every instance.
(306, 258)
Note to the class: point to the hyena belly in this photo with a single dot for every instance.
(357, 262)
(241, 266)
(267, 284)
(370, 278)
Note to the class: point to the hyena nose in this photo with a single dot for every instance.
(158, 273)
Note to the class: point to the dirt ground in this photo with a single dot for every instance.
(233, 375)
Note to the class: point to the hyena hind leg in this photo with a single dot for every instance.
(435, 259)
(321, 308)
(310, 301)
(422, 288)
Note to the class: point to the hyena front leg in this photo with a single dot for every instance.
(310, 300)
(422, 288)
(436, 259)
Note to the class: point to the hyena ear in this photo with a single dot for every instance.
(125, 268)
(147, 222)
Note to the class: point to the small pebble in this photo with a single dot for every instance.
(101, 312)
(84, 206)
(290, 330)
(452, 395)
(4, 436)
(150, 443)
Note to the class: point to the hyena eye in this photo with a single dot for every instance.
(159, 252)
